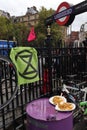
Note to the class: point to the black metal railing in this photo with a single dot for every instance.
(59, 62)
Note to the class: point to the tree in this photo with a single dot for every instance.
(21, 33)
(6, 28)
(56, 30)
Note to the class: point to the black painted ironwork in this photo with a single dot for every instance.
(63, 61)
(73, 11)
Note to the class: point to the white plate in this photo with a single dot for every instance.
(73, 107)
(51, 99)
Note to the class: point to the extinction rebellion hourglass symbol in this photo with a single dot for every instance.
(29, 71)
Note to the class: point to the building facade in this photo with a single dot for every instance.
(83, 32)
(30, 18)
(4, 14)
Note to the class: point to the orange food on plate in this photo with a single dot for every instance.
(65, 106)
(57, 100)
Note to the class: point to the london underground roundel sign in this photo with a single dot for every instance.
(60, 10)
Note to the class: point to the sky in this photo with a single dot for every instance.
(19, 7)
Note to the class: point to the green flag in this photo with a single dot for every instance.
(26, 61)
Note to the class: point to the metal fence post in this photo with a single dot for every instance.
(49, 59)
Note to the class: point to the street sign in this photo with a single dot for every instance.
(63, 13)
(66, 13)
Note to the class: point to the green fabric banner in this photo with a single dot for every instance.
(26, 61)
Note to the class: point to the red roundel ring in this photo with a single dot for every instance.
(61, 7)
